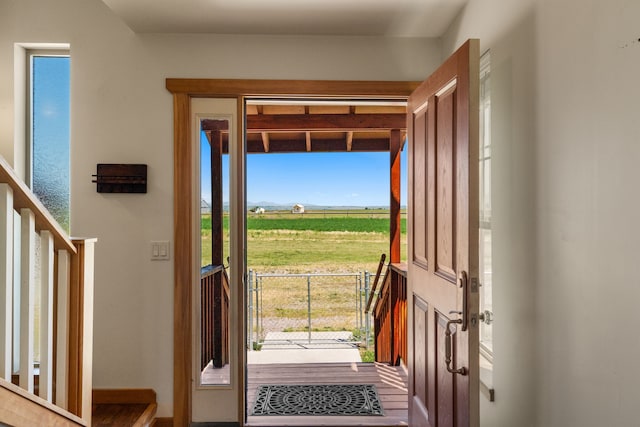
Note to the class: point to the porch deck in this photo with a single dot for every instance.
(391, 382)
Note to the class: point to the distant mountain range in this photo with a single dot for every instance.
(273, 206)
(280, 206)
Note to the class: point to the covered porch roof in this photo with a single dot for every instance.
(290, 126)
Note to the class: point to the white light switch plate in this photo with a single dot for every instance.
(160, 250)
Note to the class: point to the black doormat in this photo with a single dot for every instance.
(318, 399)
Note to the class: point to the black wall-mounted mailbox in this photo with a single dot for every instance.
(121, 178)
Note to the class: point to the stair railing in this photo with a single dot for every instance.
(390, 315)
(40, 262)
(214, 309)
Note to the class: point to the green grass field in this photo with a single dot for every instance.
(316, 242)
(322, 241)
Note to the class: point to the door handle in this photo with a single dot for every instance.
(486, 317)
(448, 347)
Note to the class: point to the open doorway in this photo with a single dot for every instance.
(323, 184)
(230, 401)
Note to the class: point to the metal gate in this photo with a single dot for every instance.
(310, 309)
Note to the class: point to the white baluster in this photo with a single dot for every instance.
(46, 316)
(62, 340)
(27, 304)
(6, 280)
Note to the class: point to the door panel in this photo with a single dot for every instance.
(419, 235)
(443, 195)
(445, 239)
(420, 340)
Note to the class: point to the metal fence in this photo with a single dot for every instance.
(317, 309)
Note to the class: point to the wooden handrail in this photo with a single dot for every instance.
(66, 269)
(225, 283)
(400, 268)
(24, 198)
(372, 292)
(390, 316)
(384, 292)
(210, 270)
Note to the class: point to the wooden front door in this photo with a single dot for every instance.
(443, 244)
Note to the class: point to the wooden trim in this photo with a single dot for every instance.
(241, 299)
(21, 408)
(330, 88)
(183, 90)
(124, 396)
(183, 260)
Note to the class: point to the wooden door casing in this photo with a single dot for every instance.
(443, 243)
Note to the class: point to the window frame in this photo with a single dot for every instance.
(30, 52)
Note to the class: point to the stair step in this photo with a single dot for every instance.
(121, 414)
(135, 408)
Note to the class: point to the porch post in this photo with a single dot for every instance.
(395, 148)
(219, 356)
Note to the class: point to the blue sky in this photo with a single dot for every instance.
(326, 179)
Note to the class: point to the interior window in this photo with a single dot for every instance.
(48, 130)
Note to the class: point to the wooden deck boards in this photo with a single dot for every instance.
(390, 381)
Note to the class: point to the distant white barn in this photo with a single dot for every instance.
(259, 210)
(297, 208)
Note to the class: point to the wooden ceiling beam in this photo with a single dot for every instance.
(318, 145)
(349, 137)
(265, 141)
(214, 124)
(325, 122)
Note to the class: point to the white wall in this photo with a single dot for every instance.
(122, 113)
(566, 155)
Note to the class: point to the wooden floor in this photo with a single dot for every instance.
(390, 381)
(137, 415)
